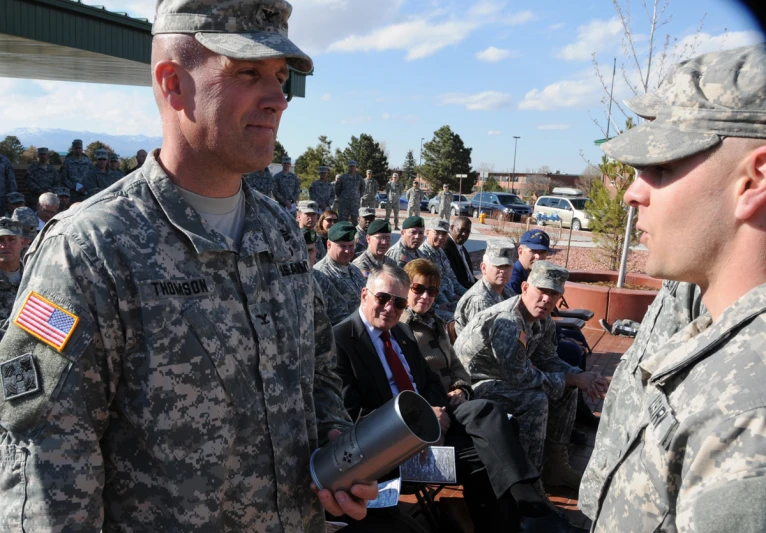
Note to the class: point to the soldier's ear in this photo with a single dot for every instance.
(751, 187)
(168, 77)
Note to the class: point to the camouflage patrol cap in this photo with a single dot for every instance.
(701, 101)
(323, 168)
(102, 154)
(352, 163)
(309, 206)
(369, 171)
(14, 197)
(113, 157)
(547, 275)
(249, 30)
(76, 143)
(62, 191)
(42, 151)
(497, 254)
(28, 220)
(413, 222)
(10, 227)
(378, 226)
(342, 232)
(439, 224)
(395, 175)
(286, 160)
(309, 235)
(365, 212)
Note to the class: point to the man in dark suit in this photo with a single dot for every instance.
(459, 260)
(378, 357)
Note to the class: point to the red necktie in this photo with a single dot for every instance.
(401, 378)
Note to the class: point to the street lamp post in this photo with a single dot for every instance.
(515, 145)
(420, 161)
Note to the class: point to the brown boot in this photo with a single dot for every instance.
(556, 468)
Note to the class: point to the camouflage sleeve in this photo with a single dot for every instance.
(334, 304)
(278, 189)
(725, 483)
(296, 196)
(465, 310)
(10, 180)
(51, 469)
(330, 411)
(64, 178)
(338, 187)
(546, 356)
(313, 192)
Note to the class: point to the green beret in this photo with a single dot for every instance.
(342, 232)
(309, 235)
(378, 226)
(413, 222)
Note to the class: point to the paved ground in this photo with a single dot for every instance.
(607, 351)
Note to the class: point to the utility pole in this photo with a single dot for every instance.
(420, 161)
(515, 145)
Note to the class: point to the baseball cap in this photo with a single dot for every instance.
(366, 212)
(252, 30)
(439, 224)
(547, 275)
(498, 255)
(308, 206)
(9, 227)
(700, 102)
(536, 239)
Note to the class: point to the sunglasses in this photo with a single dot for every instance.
(332, 220)
(383, 298)
(419, 289)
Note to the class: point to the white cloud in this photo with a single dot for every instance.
(359, 119)
(575, 93)
(704, 42)
(484, 101)
(485, 8)
(554, 126)
(410, 119)
(595, 36)
(492, 54)
(493, 132)
(325, 97)
(556, 27)
(79, 106)
(522, 17)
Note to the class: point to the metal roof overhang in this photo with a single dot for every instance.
(69, 41)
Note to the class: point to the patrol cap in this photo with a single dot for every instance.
(342, 232)
(365, 212)
(286, 160)
(323, 168)
(413, 222)
(42, 151)
(439, 224)
(28, 220)
(395, 175)
(536, 239)
(700, 102)
(251, 30)
(113, 157)
(309, 235)
(369, 171)
(76, 143)
(498, 255)
(308, 206)
(445, 186)
(62, 191)
(547, 275)
(352, 163)
(15, 197)
(102, 154)
(378, 226)
(10, 227)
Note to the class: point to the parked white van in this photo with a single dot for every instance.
(568, 204)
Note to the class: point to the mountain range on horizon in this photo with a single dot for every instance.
(60, 140)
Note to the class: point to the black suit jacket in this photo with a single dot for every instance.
(365, 386)
(455, 261)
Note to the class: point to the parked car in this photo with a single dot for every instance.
(569, 204)
(381, 199)
(496, 203)
(423, 202)
(460, 205)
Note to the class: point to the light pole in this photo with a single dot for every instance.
(515, 145)
(420, 160)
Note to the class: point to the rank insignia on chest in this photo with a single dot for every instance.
(19, 377)
(523, 339)
(662, 419)
(46, 321)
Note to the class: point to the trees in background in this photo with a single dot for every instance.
(445, 156)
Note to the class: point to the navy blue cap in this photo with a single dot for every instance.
(536, 239)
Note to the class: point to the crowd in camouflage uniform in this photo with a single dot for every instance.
(261, 181)
(394, 190)
(322, 191)
(369, 191)
(7, 181)
(348, 193)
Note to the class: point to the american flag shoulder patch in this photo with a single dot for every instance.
(46, 321)
(523, 339)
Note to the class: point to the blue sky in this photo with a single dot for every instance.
(400, 69)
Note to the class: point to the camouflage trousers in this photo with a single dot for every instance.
(396, 213)
(444, 214)
(413, 211)
(368, 202)
(539, 417)
(348, 212)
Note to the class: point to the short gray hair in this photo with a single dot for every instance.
(393, 271)
(49, 199)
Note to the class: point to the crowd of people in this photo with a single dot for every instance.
(176, 346)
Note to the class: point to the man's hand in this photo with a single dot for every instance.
(457, 397)
(592, 383)
(355, 504)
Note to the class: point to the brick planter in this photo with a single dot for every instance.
(606, 302)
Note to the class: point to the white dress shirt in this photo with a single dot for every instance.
(380, 350)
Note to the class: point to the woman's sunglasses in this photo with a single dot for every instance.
(419, 289)
(383, 298)
(331, 220)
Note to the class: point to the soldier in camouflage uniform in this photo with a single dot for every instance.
(394, 190)
(407, 247)
(114, 168)
(332, 301)
(64, 198)
(98, 177)
(40, 177)
(10, 265)
(14, 200)
(445, 203)
(28, 221)
(307, 215)
(414, 197)
(345, 277)
(510, 351)
(366, 216)
(186, 375)
(348, 192)
(491, 289)
(261, 181)
(681, 444)
(322, 191)
(287, 186)
(370, 189)
(378, 243)
(436, 235)
(7, 180)
(74, 169)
